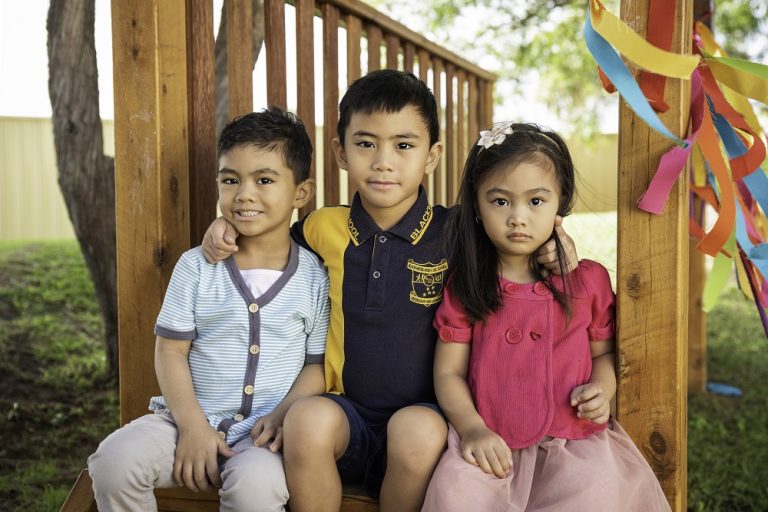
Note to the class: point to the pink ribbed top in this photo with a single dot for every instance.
(527, 357)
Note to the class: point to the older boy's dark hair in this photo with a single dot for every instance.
(473, 259)
(269, 130)
(388, 90)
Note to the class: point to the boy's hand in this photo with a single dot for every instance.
(487, 450)
(219, 241)
(547, 253)
(591, 403)
(269, 427)
(195, 464)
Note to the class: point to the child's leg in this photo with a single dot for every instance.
(132, 461)
(253, 479)
(415, 441)
(315, 435)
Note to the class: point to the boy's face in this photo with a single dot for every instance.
(387, 156)
(257, 191)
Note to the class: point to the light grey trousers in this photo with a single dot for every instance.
(134, 460)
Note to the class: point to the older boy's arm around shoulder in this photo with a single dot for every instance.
(195, 463)
(593, 400)
(479, 444)
(219, 241)
(547, 253)
(309, 382)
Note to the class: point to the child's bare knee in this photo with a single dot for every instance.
(312, 424)
(416, 436)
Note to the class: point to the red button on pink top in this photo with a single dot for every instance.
(540, 289)
(511, 288)
(513, 335)
(445, 334)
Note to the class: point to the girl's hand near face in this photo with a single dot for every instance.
(547, 253)
(484, 448)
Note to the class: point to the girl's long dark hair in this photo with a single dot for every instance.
(473, 260)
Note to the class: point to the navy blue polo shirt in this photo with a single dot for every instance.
(384, 288)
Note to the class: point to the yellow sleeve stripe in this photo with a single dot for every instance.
(327, 233)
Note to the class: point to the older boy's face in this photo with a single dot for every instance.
(257, 191)
(387, 156)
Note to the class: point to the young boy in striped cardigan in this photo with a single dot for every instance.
(237, 341)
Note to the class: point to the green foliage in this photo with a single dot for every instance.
(539, 43)
(742, 24)
(58, 401)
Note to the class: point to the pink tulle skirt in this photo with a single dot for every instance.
(604, 472)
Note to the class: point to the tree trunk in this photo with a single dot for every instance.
(86, 175)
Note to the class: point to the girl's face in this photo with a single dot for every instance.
(517, 206)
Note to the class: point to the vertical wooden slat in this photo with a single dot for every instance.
(274, 42)
(393, 49)
(409, 54)
(461, 125)
(451, 170)
(202, 117)
(330, 101)
(149, 41)
(354, 32)
(473, 111)
(428, 181)
(305, 77)
(488, 103)
(239, 56)
(697, 318)
(374, 47)
(652, 312)
(438, 182)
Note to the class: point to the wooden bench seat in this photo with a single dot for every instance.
(80, 499)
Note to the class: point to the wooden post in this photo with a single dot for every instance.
(652, 282)
(152, 192)
(697, 318)
(240, 56)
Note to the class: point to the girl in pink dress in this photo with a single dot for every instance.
(524, 369)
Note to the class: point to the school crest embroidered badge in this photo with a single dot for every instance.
(427, 282)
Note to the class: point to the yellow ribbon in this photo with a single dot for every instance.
(635, 48)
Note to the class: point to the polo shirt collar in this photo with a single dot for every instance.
(410, 228)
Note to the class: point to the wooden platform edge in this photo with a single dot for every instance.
(80, 497)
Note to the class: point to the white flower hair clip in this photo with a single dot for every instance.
(495, 135)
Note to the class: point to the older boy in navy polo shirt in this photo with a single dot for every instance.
(379, 423)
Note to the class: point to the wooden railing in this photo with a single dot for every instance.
(372, 41)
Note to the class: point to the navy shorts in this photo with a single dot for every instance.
(365, 460)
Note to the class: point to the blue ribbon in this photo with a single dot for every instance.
(615, 69)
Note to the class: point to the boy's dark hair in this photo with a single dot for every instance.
(388, 90)
(472, 256)
(269, 130)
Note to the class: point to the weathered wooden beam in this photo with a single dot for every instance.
(652, 283)
(152, 188)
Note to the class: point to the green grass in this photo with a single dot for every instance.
(57, 400)
(57, 403)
